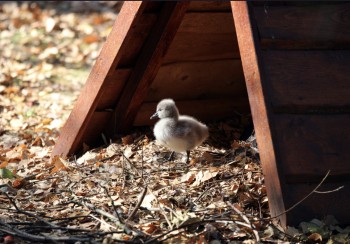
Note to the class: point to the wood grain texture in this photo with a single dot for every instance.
(202, 47)
(204, 36)
(307, 79)
(209, 6)
(249, 46)
(215, 109)
(308, 26)
(139, 32)
(114, 86)
(148, 63)
(211, 23)
(195, 80)
(314, 144)
(94, 137)
(71, 135)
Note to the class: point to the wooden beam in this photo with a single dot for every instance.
(248, 43)
(73, 131)
(148, 63)
(194, 80)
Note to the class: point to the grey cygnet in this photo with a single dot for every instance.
(179, 133)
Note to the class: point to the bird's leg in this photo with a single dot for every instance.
(171, 156)
(188, 156)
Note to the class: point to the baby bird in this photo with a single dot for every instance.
(179, 133)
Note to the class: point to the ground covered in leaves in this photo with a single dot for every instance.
(124, 191)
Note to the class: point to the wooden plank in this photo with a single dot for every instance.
(194, 80)
(94, 137)
(216, 109)
(311, 26)
(308, 79)
(334, 177)
(133, 42)
(114, 86)
(70, 139)
(148, 63)
(209, 6)
(153, 7)
(313, 144)
(318, 205)
(211, 23)
(204, 36)
(201, 47)
(248, 41)
(269, 44)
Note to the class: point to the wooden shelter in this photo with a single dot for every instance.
(296, 63)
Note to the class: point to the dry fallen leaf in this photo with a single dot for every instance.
(149, 228)
(88, 157)
(203, 176)
(3, 164)
(126, 140)
(147, 201)
(188, 178)
(59, 163)
(19, 182)
(91, 39)
(128, 152)
(49, 24)
(315, 237)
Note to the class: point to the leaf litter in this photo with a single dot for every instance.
(125, 191)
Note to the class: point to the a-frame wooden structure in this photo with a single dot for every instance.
(295, 57)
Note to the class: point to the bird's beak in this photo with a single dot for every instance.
(154, 116)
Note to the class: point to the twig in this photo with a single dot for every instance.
(132, 165)
(102, 212)
(245, 218)
(35, 226)
(171, 236)
(203, 193)
(161, 209)
(304, 198)
(27, 213)
(180, 227)
(124, 175)
(129, 162)
(142, 159)
(125, 226)
(32, 177)
(235, 222)
(330, 191)
(112, 202)
(143, 194)
(102, 221)
(15, 232)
